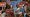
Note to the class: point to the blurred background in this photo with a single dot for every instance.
(14, 8)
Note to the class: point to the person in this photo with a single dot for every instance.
(19, 8)
(28, 11)
(3, 14)
(7, 13)
(12, 11)
(28, 14)
(8, 2)
(7, 6)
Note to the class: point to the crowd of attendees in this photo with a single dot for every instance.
(22, 9)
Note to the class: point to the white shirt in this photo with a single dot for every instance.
(3, 15)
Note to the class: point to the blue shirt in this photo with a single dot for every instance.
(21, 9)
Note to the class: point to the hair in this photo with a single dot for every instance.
(23, 0)
(28, 1)
(27, 15)
(8, 6)
(3, 12)
(27, 10)
(16, 6)
(3, 0)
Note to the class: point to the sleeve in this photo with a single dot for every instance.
(24, 14)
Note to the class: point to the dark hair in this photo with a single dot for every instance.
(17, 6)
(7, 6)
(27, 15)
(23, 0)
(3, 12)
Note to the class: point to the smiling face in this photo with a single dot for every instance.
(20, 6)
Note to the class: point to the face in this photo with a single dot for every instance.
(11, 10)
(20, 6)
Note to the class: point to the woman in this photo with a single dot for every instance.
(19, 9)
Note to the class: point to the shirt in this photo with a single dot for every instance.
(20, 10)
